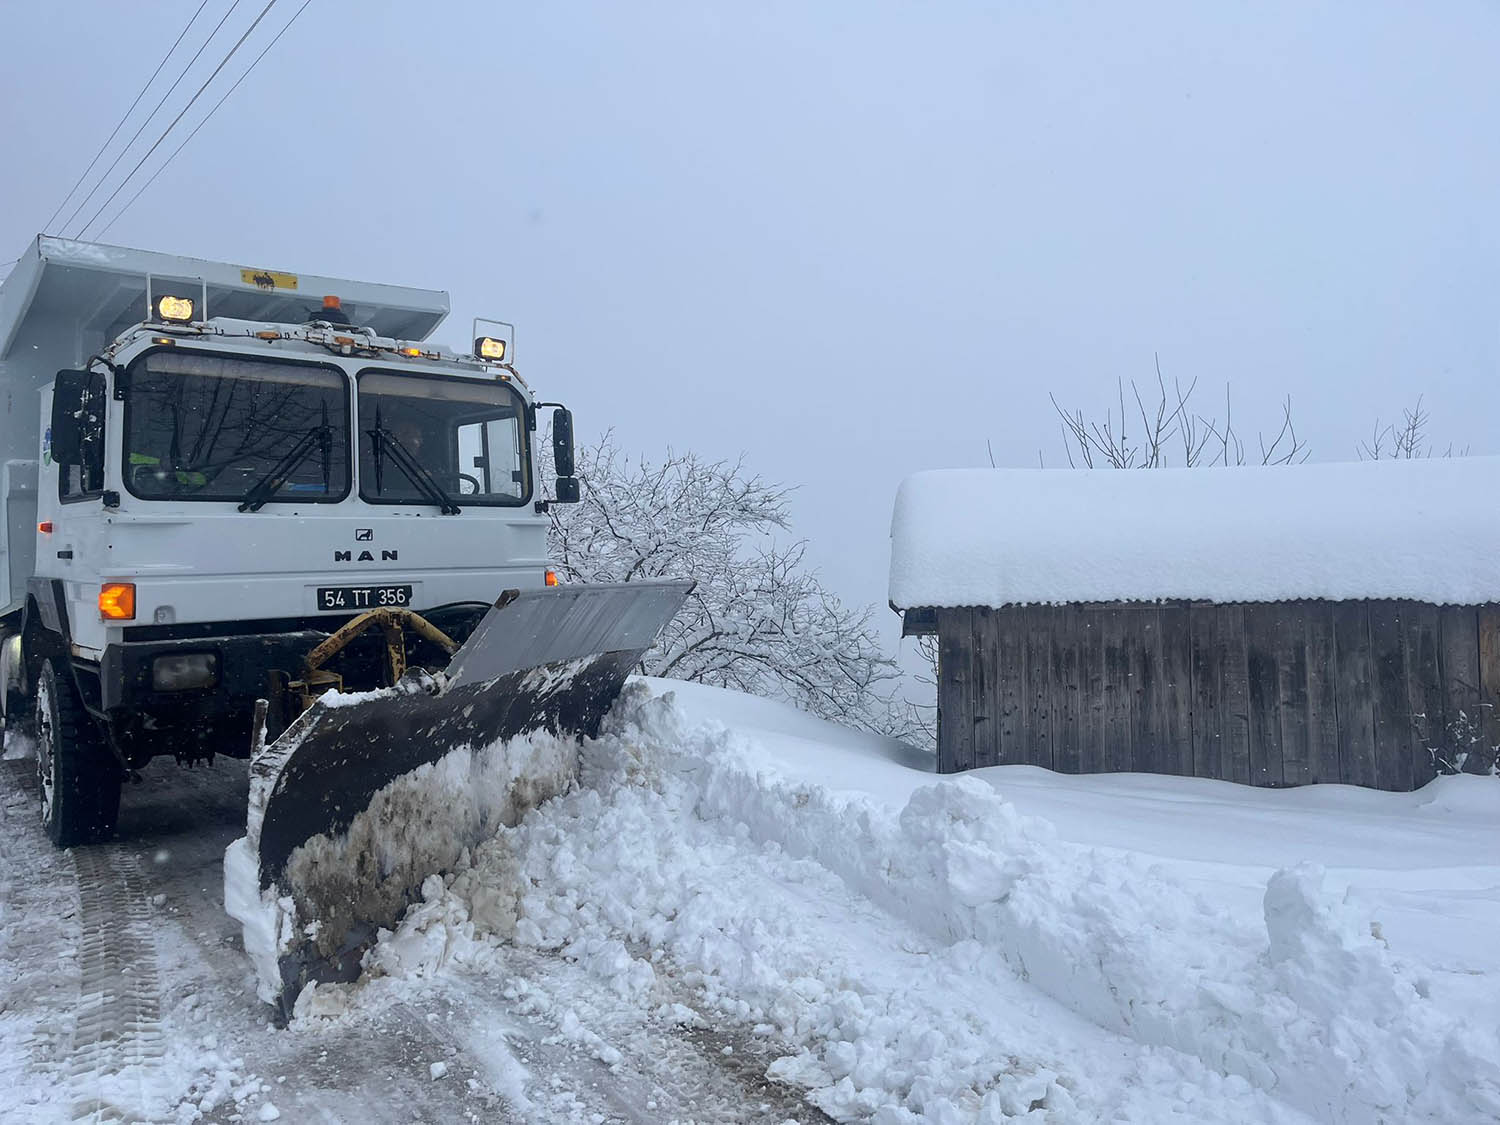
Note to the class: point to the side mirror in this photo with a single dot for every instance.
(567, 490)
(562, 442)
(74, 394)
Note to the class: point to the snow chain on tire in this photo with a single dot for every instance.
(79, 782)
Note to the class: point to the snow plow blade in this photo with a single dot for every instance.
(366, 795)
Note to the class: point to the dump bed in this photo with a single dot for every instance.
(95, 291)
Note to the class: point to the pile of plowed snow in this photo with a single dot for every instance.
(949, 959)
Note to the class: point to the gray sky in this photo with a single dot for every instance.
(851, 240)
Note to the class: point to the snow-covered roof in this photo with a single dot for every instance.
(1425, 530)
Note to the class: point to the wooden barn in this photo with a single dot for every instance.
(1273, 626)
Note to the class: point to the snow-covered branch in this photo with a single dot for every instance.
(760, 620)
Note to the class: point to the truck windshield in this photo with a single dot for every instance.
(467, 434)
(211, 427)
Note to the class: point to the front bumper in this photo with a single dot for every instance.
(244, 664)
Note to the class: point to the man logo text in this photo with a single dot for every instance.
(364, 556)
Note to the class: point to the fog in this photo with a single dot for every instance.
(848, 240)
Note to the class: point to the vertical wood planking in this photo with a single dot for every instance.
(1011, 662)
(1322, 693)
(1208, 688)
(1265, 693)
(1354, 673)
(1068, 638)
(1145, 677)
(1271, 694)
(1092, 755)
(1458, 659)
(1489, 676)
(1393, 733)
(1177, 696)
(986, 670)
(955, 694)
(1117, 640)
(1290, 648)
(1037, 718)
(1234, 700)
(1424, 688)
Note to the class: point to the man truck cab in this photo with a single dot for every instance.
(207, 469)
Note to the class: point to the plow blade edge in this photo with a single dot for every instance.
(365, 796)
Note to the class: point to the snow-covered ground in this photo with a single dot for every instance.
(745, 914)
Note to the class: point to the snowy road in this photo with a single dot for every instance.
(138, 994)
(132, 998)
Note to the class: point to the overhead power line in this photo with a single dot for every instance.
(163, 166)
(116, 131)
(142, 128)
(222, 64)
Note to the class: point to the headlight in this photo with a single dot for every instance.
(184, 671)
(176, 309)
(489, 347)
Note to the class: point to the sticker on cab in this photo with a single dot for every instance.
(269, 279)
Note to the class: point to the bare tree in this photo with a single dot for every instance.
(759, 620)
(1405, 441)
(1155, 432)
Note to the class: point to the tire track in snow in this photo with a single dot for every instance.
(118, 1031)
(555, 1049)
(38, 910)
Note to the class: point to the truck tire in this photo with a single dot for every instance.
(78, 779)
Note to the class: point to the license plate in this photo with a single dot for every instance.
(362, 597)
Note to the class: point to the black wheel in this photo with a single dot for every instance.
(79, 780)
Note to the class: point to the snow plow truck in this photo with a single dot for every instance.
(257, 514)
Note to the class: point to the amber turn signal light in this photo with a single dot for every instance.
(117, 601)
(550, 578)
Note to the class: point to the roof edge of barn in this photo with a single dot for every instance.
(1420, 531)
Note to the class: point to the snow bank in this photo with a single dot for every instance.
(1390, 529)
(1130, 949)
(1307, 1008)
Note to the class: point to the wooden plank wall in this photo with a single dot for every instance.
(1287, 693)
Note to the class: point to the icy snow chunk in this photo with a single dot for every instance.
(265, 923)
(19, 747)
(976, 843)
(268, 1112)
(322, 1002)
(438, 1070)
(1326, 955)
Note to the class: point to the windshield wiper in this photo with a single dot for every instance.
(412, 469)
(270, 483)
